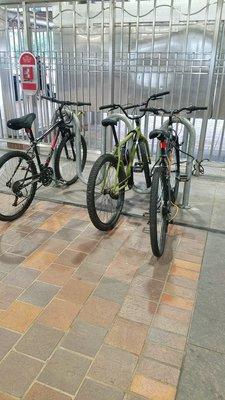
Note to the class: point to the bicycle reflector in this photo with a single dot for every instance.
(163, 144)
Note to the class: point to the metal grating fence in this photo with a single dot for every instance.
(118, 51)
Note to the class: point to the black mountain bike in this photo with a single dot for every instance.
(19, 176)
(165, 179)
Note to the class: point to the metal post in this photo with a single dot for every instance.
(210, 88)
(112, 50)
(28, 46)
(76, 125)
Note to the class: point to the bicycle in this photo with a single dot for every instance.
(113, 172)
(18, 171)
(165, 178)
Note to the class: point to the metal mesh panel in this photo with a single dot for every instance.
(121, 51)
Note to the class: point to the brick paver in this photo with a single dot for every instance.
(84, 338)
(95, 390)
(42, 392)
(86, 314)
(65, 371)
(17, 373)
(39, 341)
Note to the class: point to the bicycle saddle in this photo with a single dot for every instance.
(109, 121)
(22, 122)
(157, 133)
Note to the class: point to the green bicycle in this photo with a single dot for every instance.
(113, 172)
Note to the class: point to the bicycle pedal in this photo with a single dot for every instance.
(183, 178)
(138, 167)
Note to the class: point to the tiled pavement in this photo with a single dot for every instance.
(88, 315)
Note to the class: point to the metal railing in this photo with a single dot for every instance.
(122, 51)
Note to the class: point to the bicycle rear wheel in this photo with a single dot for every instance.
(103, 203)
(65, 160)
(17, 184)
(159, 211)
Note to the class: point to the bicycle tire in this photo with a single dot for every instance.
(144, 160)
(158, 240)
(3, 160)
(62, 146)
(91, 204)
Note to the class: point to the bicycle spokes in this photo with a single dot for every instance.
(15, 185)
(106, 192)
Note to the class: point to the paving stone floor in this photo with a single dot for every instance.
(88, 315)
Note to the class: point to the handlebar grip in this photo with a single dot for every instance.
(68, 103)
(107, 106)
(162, 93)
(195, 108)
(81, 103)
(49, 98)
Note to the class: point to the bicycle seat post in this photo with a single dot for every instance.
(60, 111)
(137, 121)
(115, 135)
(30, 134)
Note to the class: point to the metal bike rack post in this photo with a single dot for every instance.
(76, 125)
(77, 131)
(123, 118)
(190, 149)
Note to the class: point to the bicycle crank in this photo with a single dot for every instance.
(46, 177)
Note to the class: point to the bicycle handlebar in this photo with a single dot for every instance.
(66, 103)
(152, 97)
(124, 108)
(107, 106)
(172, 112)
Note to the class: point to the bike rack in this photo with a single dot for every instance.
(191, 146)
(77, 131)
(76, 125)
(190, 149)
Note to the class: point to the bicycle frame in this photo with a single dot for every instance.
(35, 142)
(135, 135)
(61, 125)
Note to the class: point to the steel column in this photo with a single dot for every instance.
(112, 50)
(28, 46)
(210, 88)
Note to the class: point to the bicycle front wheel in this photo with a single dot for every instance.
(104, 197)
(18, 184)
(65, 160)
(159, 211)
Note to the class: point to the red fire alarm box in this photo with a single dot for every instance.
(28, 73)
